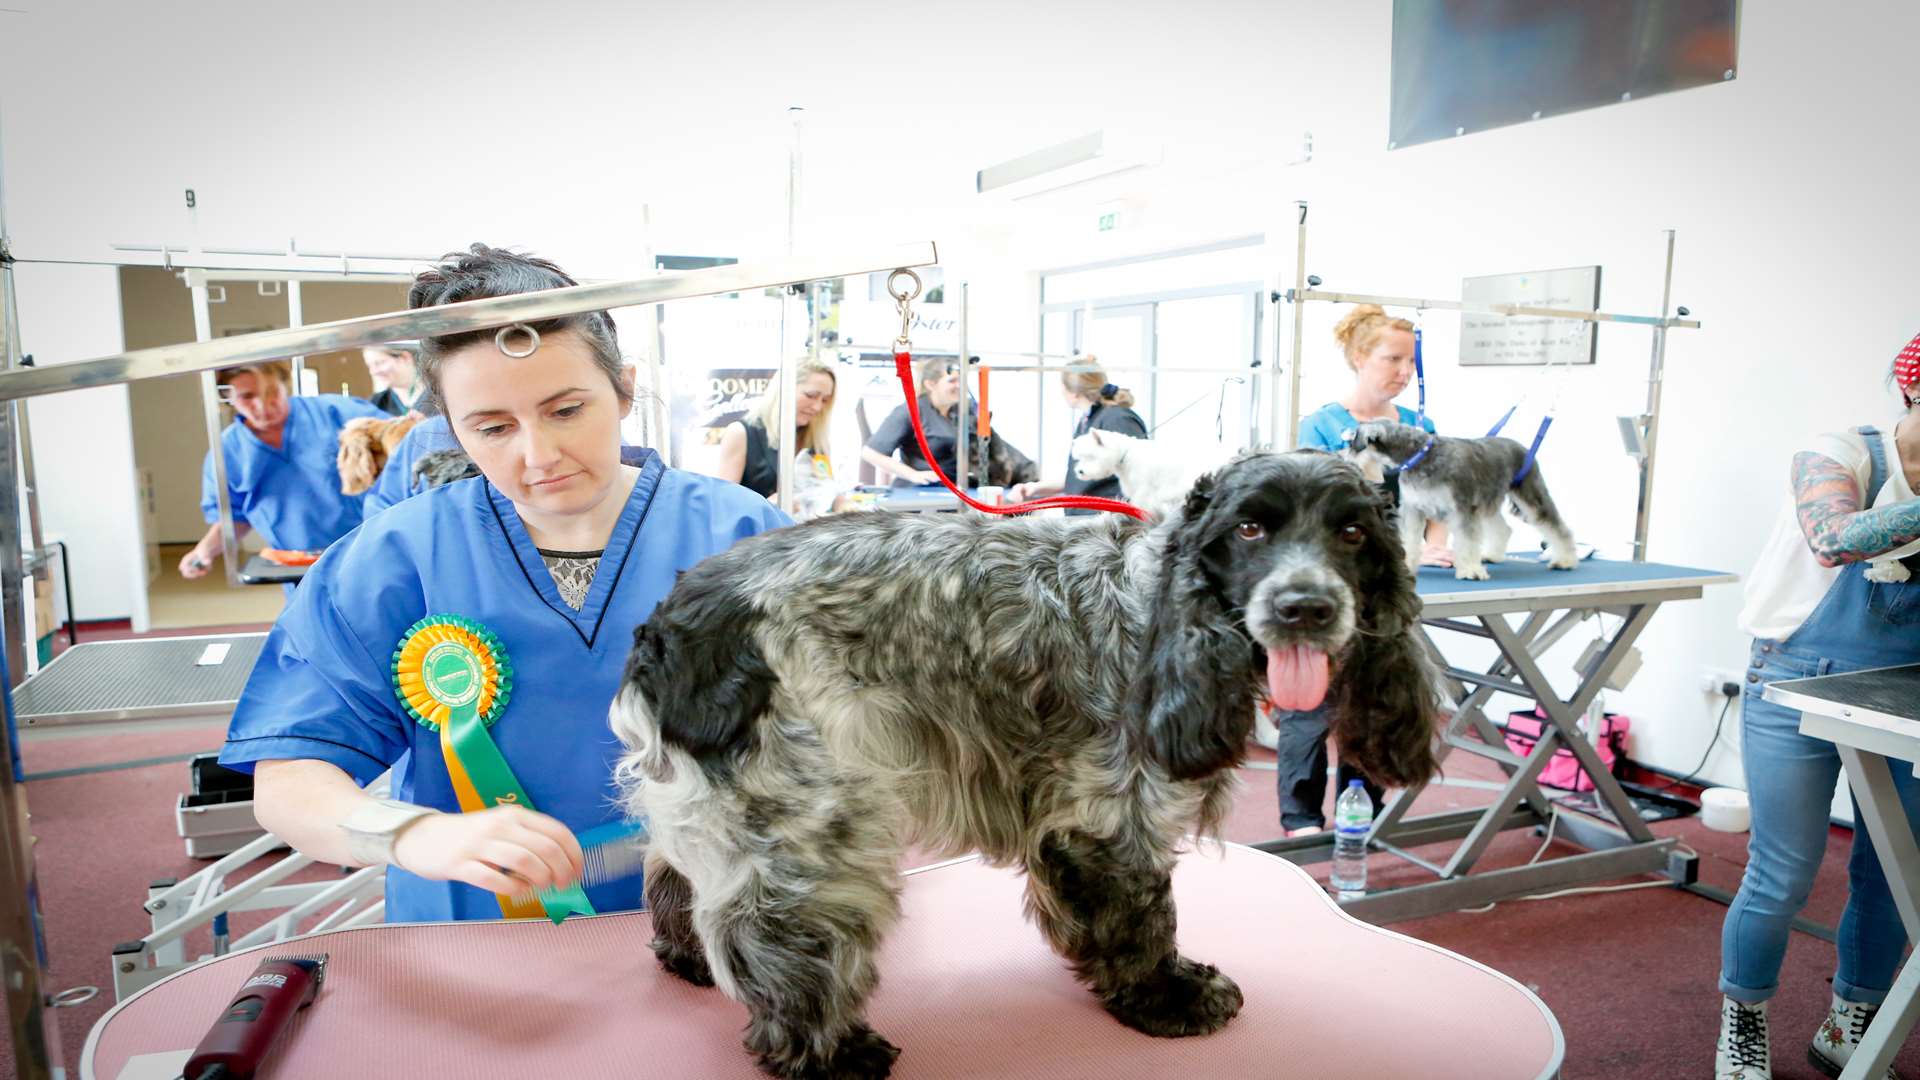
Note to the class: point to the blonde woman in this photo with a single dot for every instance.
(750, 447)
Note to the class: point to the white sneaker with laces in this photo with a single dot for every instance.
(1742, 1051)
(1840, 1034)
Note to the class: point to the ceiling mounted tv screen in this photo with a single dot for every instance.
(1461, 66)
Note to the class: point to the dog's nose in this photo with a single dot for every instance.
(1303, 611)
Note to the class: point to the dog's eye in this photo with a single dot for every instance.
(1249, 530)
(1353, 535)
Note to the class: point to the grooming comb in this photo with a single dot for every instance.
(612, 852)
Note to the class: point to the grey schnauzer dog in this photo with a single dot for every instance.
(1066, 696)
(1464, 483)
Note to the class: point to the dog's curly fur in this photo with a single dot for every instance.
(365, 444)
(443, 467)
(1065, 696)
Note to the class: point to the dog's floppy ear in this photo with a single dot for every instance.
(703, 679)
(1195, 699)
(1384, 694)
(355, 459)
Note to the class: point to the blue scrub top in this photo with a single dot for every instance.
(290, 494)
(1322, 428)
(323, 686)
(396, 480)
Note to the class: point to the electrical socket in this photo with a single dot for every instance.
(1720, 682)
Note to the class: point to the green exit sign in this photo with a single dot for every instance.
(1109, 221)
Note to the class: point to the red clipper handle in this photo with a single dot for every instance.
(240, 1039)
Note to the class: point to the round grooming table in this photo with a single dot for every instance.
(968, 989)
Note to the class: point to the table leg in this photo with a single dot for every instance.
(1885, 820)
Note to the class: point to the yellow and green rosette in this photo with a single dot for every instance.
(452, 675)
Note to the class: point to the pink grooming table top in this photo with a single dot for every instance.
(969, 989)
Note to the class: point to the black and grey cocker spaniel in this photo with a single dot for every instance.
(1068, 696)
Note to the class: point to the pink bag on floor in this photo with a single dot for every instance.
(1564, 771)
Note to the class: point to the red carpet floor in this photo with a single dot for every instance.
(1630, 975)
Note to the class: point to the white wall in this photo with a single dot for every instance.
(82, 441)
(1790, 188)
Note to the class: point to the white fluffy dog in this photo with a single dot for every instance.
(1153, 476)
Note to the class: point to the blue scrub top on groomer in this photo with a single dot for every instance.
(290, 494)
(396, 481)
(323, 686)
(1323, 428)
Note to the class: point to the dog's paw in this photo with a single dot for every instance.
(1186, 999)
(1561, 564)
(1471, 573)
(861, 1054)
(688, 965)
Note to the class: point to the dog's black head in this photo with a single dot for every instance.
(1287, 566)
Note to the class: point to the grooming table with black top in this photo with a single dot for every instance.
(1549, 604)
(260, 571)
(924, 499)
(141, 679)
(1873, 719)
(968, 988)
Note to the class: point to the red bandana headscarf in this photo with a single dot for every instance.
(1906, 370)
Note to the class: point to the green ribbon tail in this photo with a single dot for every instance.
(497, 786)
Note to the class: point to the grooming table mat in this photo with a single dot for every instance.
(921, 499)
(968, 989)
(259, 571)
(1890, 694)
(1522, 578)
(145, 678)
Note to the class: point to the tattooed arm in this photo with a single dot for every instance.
(1827, 499)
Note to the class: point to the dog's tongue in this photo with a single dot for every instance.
(1297, 677)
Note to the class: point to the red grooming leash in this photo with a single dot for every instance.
(903, 363)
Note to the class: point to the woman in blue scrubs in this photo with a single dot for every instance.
(283, 480)
(552, 556)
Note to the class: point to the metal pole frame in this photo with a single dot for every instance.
(784, 439)
(451, 319)
(963, 444)
(1650, 424)
(31, 1024)
(216, 452)
(296, 315)
(1299, 319)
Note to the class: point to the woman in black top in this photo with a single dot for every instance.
(1098, 405)
(398, 387)
(939, 398)
(749, 453)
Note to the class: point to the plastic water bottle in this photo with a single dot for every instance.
(1352, 817)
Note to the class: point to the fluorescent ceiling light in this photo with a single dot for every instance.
(1076, 161)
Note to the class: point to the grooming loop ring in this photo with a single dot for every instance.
(75, 995)
(903, 299)
(505, 335)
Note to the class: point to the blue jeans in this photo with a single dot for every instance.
(1790, 780)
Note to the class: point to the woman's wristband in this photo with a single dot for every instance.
(374, 827)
